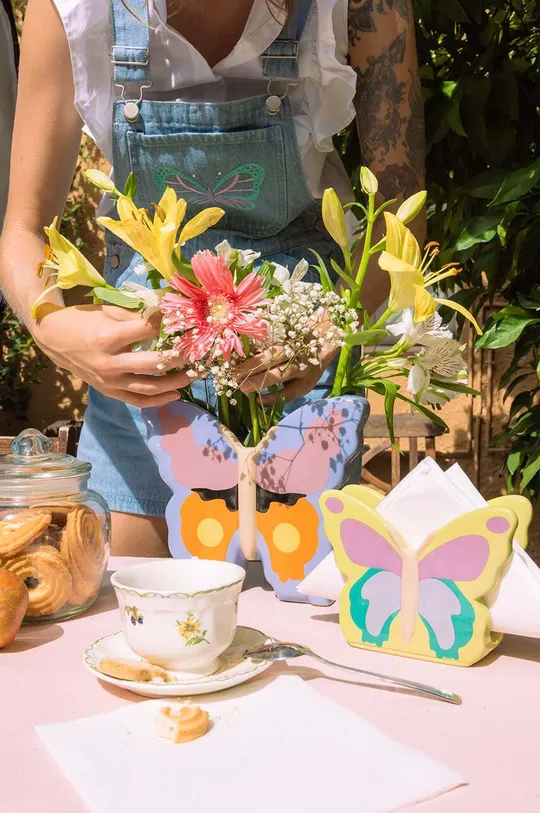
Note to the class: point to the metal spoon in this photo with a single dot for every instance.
(283, 651)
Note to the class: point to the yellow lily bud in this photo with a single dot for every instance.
(411, 207)
(334, 219)
(200, 223)
(368, 181)
(100, 179)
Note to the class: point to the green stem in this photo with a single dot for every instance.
(384, 318)
(255, 428)
(345, 353)
(224, 415)
(252, 398)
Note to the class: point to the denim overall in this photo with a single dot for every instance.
(240, 155)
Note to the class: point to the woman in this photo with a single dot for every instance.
(184, 92)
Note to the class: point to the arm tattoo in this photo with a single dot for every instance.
(361, 15)
(378, 100)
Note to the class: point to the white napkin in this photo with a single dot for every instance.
(426, 499)
(285, 747)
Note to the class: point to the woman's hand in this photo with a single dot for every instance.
(95, 343)
(272, 367)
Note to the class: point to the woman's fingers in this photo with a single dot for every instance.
(276, 375)
(146, 361)
(119, 333)
(151, 385)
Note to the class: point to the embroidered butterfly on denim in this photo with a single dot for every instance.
(238, 189)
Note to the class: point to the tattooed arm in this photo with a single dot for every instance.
(389, 104)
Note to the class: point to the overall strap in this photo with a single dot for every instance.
(280, 60)
(130, 52)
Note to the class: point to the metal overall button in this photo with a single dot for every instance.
(273, 105)
(131, 111)
(115, 261)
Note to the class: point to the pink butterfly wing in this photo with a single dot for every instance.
(368, 548)
(197, 462)
(461, 559)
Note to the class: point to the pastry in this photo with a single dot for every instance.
(20, 528)
(48, 579)
(58, 511)
(83, 547)
(140, 671)
(182, 725)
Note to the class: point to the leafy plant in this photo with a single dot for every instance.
(481, 79)
(20, 362)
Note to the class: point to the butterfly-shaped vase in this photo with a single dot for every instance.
(242, 504)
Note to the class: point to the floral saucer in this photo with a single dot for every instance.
(233, 670)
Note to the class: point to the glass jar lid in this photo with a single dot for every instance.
(31, 457)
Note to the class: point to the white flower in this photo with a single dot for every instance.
(150, 296)
(143, 268)
(442, 360)
(230, 254)
(426, 332)
(283, 275)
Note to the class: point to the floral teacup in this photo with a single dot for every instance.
(180, 613)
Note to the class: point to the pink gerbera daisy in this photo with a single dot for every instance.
(211, 319)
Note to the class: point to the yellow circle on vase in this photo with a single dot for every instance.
(286, 537)
(210, 532)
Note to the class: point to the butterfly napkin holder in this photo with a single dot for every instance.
(427, 602)
(239, 504)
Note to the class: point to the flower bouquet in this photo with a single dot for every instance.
(247, 473)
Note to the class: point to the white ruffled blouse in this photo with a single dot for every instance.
(322, 100)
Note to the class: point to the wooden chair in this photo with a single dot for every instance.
(65, 443)
(409, 427)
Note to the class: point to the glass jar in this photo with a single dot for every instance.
(54, 533)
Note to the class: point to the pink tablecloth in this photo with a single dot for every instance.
(492, 739)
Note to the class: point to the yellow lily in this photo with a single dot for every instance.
(409, 274)
(155, 238)
(334, 219)
(101, 180)
(69, 266)
(199, 224)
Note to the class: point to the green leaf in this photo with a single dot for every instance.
(531, 470)
(366, 337)
(480, 229)
(454, 118)
(518, 184)
(130, 187)
(505, 332)
(487, 184)
(532, 301)
(453, 386)
(433, 416)
(515, 383)
(115, 297)
(344, 276)
(511, 210)
(513, 461)
(326, 281)
(454, 11)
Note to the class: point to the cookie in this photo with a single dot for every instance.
(46, 574)
(83, 547)
(59, 511)
(182, 725)
(140, 671)
(20, 528)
